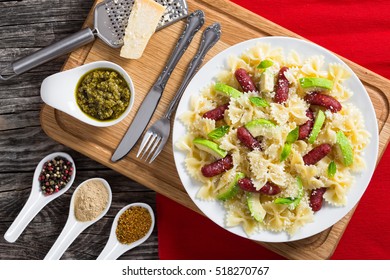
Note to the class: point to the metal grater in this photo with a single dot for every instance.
(110, 21)
(111, 18)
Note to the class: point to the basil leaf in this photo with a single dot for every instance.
(292, 202)
(285, 152)
(258, 101)
(293, 135)
(291, 138)
(332, 168)
(265, 64)
(218, 132)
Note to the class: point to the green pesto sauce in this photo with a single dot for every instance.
(103, 94)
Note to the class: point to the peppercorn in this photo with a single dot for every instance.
(53, 176)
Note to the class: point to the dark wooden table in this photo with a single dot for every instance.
(26, 26)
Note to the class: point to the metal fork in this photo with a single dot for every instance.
(157, 135)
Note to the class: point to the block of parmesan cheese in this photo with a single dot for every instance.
(142, 23)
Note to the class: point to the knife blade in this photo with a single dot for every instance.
(194, 22)
(138, 125)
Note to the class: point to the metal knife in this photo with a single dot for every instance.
(194, 22)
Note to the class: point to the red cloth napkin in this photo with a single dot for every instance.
(357, 30)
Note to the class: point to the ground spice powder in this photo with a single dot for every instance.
(90, 201)
(133, 224)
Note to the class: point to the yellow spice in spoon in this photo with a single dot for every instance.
(133, 224)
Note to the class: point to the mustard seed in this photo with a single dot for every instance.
(133, 224)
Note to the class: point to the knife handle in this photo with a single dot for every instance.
(194, 22)
(210, 37)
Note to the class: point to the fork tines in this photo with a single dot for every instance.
(149, 143)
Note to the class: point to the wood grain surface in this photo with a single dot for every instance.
(27, 26)
(161, 176)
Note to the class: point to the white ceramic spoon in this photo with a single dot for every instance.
(114, 248)
(37, 199)
(73, 227)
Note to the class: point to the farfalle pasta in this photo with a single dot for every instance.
(274, 138)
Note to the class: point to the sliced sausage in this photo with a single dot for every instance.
(247, 139)
(317, 154)
(281, 87)
(305, 129)
(217, 113)
(217, 167)
(245, 80)
(316, 199)
(327, 101)
(269, 188)
(246, 185)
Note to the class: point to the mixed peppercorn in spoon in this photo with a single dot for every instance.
(55, 174)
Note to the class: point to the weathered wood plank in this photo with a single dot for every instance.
(36, 11)
(162, 176)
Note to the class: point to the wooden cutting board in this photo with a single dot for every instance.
(161, 176)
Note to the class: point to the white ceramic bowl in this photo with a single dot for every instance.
(58, 91)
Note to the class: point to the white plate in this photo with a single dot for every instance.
(329, 215)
